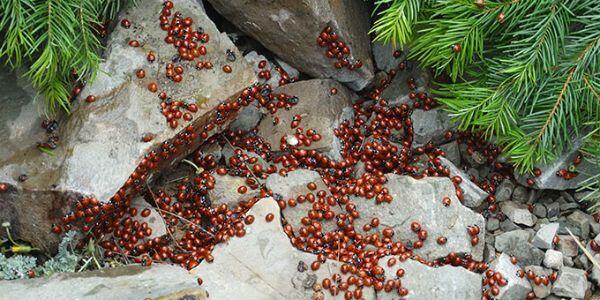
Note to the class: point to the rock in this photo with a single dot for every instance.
(452, 152)
(254, 59)
(582, 221)
(248, 118)
(541, 291)
(553, 209)
(543, 238)
(155, 220)
(421, 201)
(549, 180)
(264, 264)
(518, 213)
(319, 109)
(430, 125)
(294, 185)
(473, 195)
(492, 224)
(568, 261)
(226, 191)
(553, 259)
(383, 53)
(517, 287)
(397, 92)
(595, 276)
(128, 282)
(424, 282)
(291, 71)
(290, 30)
(504, 190)
(520, 194)
(539, 210)
(571, 283)
(508, 225)
(516, 243)
(101, 143)
(229, 152)
(569, 206)
(568, 246)
(489, 253)
(582, 262)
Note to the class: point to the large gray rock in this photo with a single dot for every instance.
(516, 243)
(473, 195)
(396, 93)
(553, 259)
(541, 290)
(264, 264)
(130, 282)
(421, 201)
(383, 53)
(543, 237)
(516, 287)
(548, 178)
(296, 184)
(424, 282)
(226, 191)
(582, 221)
(571, 283)
(518, 213)
(101, 143)
(319, 110)
(290, 29)
(430, 125)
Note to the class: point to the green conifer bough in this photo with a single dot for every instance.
(52, 38)
(522, 71)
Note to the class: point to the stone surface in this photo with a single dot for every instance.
(508, 225)
(226, 190)
(290, 30)
(549, 180)
(492, 224)
(553, 259)
(452, 152)
(383, 54)
(517, 287)
(516, 243)
(319, 110)
(539, 210)
(122, 283)
(567, 245)
(570, 283)
(421, 201)
(553, 209)
(504, 190)
(100, 143)
(294, 185)
(543, 237)
(430, 125)
(473, 195)
(520, 194)
(582, 221)
(263, 264)
(518, 213)
(397, 92)
(424, 282)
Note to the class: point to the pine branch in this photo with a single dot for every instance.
(395, 22)
(17, 37)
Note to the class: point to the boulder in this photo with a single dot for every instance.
(549, 180)
(122, 283)
(518, 213)
(101, 143)
(582, 222)
(452, 152)
(290, 30)
(154, 219)
(319, 110)
(473, 195)
(504, 190)
(226, 191)
(424, 282)
(541, 291)
(516, 287)
(421, 201)
(516, 243)
(571, 283)
(264, 264)
(567, 245)
(296, 184)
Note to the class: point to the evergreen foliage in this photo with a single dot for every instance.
(522, 72)
(53, 38)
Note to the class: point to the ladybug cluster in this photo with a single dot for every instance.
(337, 49)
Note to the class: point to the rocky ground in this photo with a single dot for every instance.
(273, 153)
